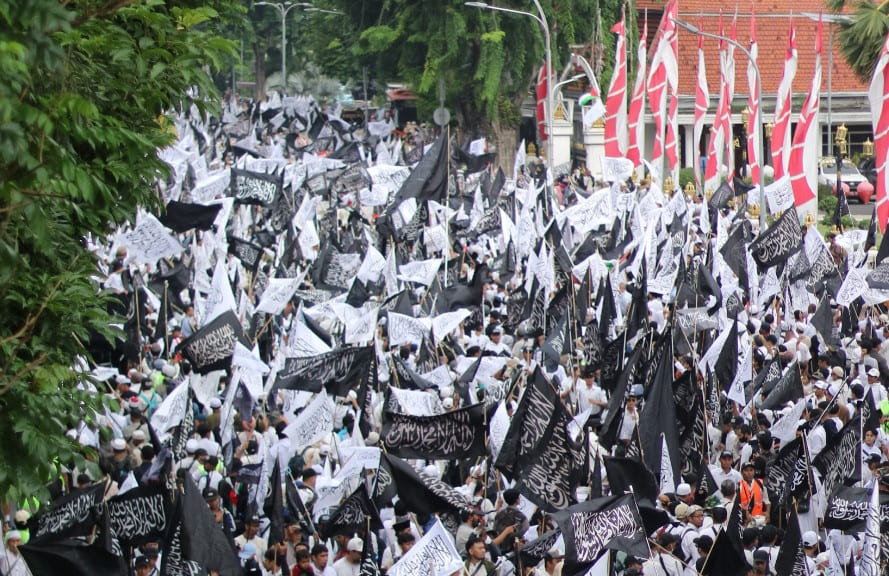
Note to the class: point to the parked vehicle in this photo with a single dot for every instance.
(851, 176)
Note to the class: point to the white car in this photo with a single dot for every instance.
(827, 176)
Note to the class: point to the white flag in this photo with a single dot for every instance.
(149, 241)
(403, 329)
(249, 359)
(870, 558)
(220, 299)
(444, 324)
(668, 484)
(278, 293)
(171, 411)
(421, 272)
(434, 555)
(745, 374)
(313, 423)
(362, 328)
(784, 429)
(372, 266)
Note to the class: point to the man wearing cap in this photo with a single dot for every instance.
(142, 565)
(724, 471)
(223, 517)
(12, 563)
(754, 497)
(251, 536)
(631, 417)
(495, 345)
(120, 460)
(662, 561)
(761, 563)
(552, 559)
(810, 547)
(589, 394)
(350, 564)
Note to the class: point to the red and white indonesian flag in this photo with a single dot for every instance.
(781, 138)
(879, 106)
(754, 137)
(636, 132)
(616, 103)
(671, 63)
(541, 101)
(702, 103)
(716, 146)
(803, 165)
(663, 65)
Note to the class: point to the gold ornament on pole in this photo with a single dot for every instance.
(867, 149)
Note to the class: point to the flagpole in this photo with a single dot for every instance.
(447, 251)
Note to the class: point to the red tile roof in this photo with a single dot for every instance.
(772, 25)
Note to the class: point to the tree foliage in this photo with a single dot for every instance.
(487, 60)
(84, 83)
(861, 39)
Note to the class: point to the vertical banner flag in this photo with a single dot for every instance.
(781, 139)
(702, 103)
(806, 147)
(879, 105)
(636, 141)
(542, 90)
(754, 137)
(616, 103)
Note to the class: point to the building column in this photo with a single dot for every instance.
(563, 132)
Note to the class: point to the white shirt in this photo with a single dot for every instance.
(719, 476)
(345, 568)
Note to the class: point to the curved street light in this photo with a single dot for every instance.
(283, 9)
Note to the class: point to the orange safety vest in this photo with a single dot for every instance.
(753, 493)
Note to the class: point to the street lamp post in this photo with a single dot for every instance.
(283, 9)
(698, 32)
(540, 17)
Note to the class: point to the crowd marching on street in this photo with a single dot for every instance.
(359, 349)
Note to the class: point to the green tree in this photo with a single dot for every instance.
(861, 39)
(84, 83)
(486, 60)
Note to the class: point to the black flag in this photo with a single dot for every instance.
(788, 389)
(792, 555)
(211, 347)
(181, 217)
(356, 513)
(421, 494)
(338, 370)
(591, 527)
(626, 474)
(659, 415)
(202, 540)
(250, 187)
(840, 460)
(628, 376)
(72, 558)
(726, 365)
(274, 507)
(458, 434)
(779, 241)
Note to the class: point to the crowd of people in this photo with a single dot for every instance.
(500, 346)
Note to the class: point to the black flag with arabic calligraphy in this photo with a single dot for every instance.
(779, 241)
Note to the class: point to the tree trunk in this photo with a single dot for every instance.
(259, 70)
(474, 124)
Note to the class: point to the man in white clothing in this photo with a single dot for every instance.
(350, 564)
